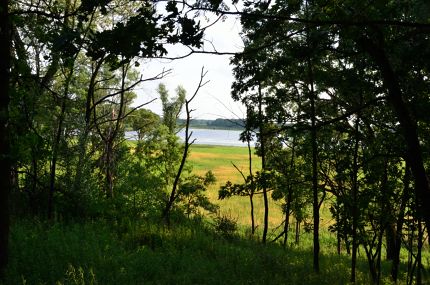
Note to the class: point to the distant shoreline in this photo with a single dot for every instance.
(215, 128)
(217, 124)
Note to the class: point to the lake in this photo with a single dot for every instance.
(208, 136)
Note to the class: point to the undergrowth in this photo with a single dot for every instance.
(104, 252)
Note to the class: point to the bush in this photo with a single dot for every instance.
(225, 226)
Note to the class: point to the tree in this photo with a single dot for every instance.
(143, 121)
(5, 158)
(191, 194)
(313, 48)
(49, 40)
(170, 116)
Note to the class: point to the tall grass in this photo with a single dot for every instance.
(220, 160)
(145, 253)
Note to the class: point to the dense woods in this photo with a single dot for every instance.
(336, 96)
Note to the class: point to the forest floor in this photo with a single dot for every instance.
(103, 252)
(125, 251)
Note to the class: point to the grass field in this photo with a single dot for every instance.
(220, 160)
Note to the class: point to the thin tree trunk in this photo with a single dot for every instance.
(83, 138)
(289, 194)
(355, 196)
(297, 236)
(109, 162)
(399, 225)
(371, 262)
(56, 143)
(263, 164)
(287, 216)
(315, 200)
(378, 259)
(173, 195)
(411, 236)
(110, 138)
(188, 134)
(33, 204)
(251, 195)
(55, 146)
(5, 160)
(419, 251)
(383, 223)
(354, 202)
(339, 242)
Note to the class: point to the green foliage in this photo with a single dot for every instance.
(144, 252)
(171, 107)
(192, 193)
(253, 184)
(144, 122)
(225, 226)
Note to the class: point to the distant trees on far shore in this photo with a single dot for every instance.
(219, 123)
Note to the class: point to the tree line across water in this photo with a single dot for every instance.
(219, 124)
(336, 94)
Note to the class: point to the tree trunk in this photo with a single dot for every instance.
(378, 259)
(390, 240)
(407, 124)
(251, 195)
(419, 251)
(315, 202)
(83, 138)
(109, 166)
(5, 159)
(188, 143)
(355, 200)
(339, 243)
(55, 146)
(263, 164)
(297, 237)
(287, 215)
(399, 224)
(290, 193)
(251, 202)
(173, 194)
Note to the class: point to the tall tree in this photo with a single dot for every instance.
(5, 155)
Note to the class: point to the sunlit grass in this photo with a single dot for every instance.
(220, 159)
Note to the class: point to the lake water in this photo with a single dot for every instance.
(208, 136)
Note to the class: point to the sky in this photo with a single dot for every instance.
(214, 99)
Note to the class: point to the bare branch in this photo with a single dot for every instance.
(173, 195)
(240, 171)
(156, 77)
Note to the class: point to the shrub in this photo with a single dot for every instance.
(225, 226)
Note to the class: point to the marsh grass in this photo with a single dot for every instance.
(219, 159)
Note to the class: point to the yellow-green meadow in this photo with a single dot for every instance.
(220, 160)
